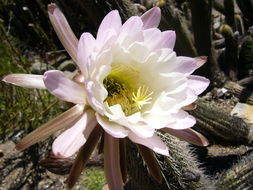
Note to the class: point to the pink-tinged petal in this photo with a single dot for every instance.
(112, 163)
(86, 45)
(154, 143)
(192, 106)
(110, 37)
(156, 40)
(62, 121)
(188, 135)
(25, 80)
(73, 138)
(197, 83)
(62, 87)
(83, 156)
(152, 34)
(63, 30)
(105, 187)
(133, 24)
(200, 60)
(123, 160)
(111, 21)
(185, 65)
(168, 39)
(112, 128)
(151, 162)
(151, 18)
(131, 32)
(183, 121)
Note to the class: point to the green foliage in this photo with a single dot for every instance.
(11, 59)
(23, 109)
(94, 179)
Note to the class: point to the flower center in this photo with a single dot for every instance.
(124, 88)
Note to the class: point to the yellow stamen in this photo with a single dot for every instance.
(123, 88)
(142, 97)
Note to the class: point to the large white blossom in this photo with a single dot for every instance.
(132, 83)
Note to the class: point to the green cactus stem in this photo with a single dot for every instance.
(238, 177)
(219, 127)
(239, 25)
(230, 13)
(218, 6)
(171, 19)
(246, 58)
(180, 170)
(246, 7)
(231, 52)
(201, 16)
(244, 94)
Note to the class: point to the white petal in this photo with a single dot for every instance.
(132, 25)
(25, 80)
(138, 51)
(86, 45)
(96, 95)
(100, 68)
(131, 32)
(108, 41)
(63, 30)
(154, 143)
(112, 128)
(197, 83)
(183, 120)
(155, 39)
(62, 87)
(111, 21)
(73, 138)
(151, 18)
(158, 120)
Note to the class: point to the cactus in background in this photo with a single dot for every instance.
(230, 62)
(238, 177)
(172, 20)
(219, 127)
(239, 25)
(201, 16)
(246, 58)
(244, 94)
(246, 7)
(230, 13)
(180, 171)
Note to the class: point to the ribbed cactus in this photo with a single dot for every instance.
(219, 127)
(245, 95)
(239, 177)
(231, 52)
(171, 19)
(246, 7)
(246, 58)
(230, 13)
(181, 171)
